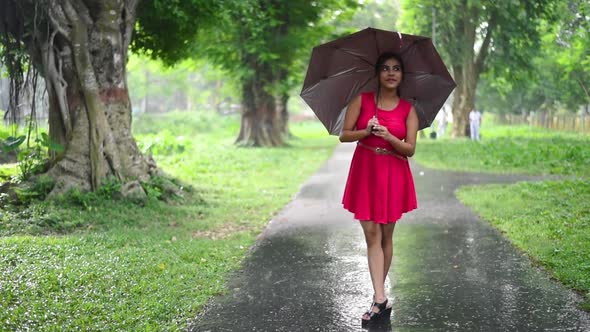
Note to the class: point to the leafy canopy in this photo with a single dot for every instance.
(269, 35)
(166, 29)
(461, 27)
(558, 75)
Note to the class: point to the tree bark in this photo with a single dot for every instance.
(261, 123)
(283, 111)
(467, 73)
(466, 101)
(83, 57)
(4, 86)
(459, 120)
(583, 87)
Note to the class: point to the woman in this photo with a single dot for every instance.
(380, 187)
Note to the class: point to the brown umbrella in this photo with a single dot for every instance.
(341, 69)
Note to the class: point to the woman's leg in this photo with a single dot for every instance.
(373, 238)
(387, 247)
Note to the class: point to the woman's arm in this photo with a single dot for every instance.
(349, 132)
(406, 147)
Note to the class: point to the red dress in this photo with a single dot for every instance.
(380, 187)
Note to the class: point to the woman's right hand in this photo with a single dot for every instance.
(372, 123)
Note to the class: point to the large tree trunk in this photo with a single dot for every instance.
(459, 120)
(4, 87)
(83, 59)
(464, 100)
(468, 71)
(261, 123)
(283, 111)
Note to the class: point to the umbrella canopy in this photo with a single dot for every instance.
(341, 69)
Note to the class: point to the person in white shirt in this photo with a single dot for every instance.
(474, 123)
(442, 123)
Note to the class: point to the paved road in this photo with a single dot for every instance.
(451, 271)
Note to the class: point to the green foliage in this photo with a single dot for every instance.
(548, 220)
(110, 189)
(46, 142)
(164, 143)
(107, 282)
(513, 25)
(270, 39)
(166, 29)
(560, 68)
(511, 150)
(168, 189)
(190, 124)
(106, 264)
(7, 171)
(495, 38)
(376, 14)
(12, 143)
(37, 189)
(32, 159)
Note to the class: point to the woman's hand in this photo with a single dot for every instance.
(372, 124)
(381, 131)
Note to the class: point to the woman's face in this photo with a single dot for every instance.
(390, 74)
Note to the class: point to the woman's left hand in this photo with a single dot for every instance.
(381, 131)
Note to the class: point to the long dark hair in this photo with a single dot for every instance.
(383, 57)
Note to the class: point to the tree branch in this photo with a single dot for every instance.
(582, 85)
(56, 10)
(483, 51)
(82, 11)
(57, 84)
(130, 17)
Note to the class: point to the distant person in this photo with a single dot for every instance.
(442, 123)
(474, 124)
(380, 186)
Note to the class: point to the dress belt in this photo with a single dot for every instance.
(382, 151)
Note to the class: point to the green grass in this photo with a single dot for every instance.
(91, 263)
(506, 149)
(549, 220)
(7, 170)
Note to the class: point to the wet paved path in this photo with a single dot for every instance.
(451, 271)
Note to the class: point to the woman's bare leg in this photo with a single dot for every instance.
(387, 246)
(373, 237)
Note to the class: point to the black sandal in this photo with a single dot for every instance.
(384, 311)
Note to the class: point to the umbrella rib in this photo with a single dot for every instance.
(356, 56)
(362, 86)
(329, 78)
(412, 44)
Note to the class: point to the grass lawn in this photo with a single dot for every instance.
(549, 220)
(510, 149)
(86, 262)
